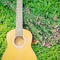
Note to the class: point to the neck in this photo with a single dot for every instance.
(19, 22)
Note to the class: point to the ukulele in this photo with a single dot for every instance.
(19, 40)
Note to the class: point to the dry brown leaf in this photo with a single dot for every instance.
(35, 42)
(28, 10)
(43, 43)
(56, 27)
(38, 22)
(55, 18)
(54, 31)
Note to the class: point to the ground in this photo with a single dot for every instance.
(42, 18)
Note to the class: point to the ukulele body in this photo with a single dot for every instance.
(14, 53)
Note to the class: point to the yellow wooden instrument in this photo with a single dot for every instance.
(19, 40)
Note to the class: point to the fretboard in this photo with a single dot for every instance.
(19, 19)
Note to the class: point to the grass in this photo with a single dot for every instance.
(35, 11)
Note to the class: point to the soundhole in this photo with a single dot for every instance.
(19, 41)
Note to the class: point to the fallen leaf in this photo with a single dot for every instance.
(55, 18)
(54, 31)
(44, 43)
(42, 18)
(28, 10)
(56, 26)
(35, 42)
(47, 13)
(9, 2)
(48, 44)
(38, 22)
